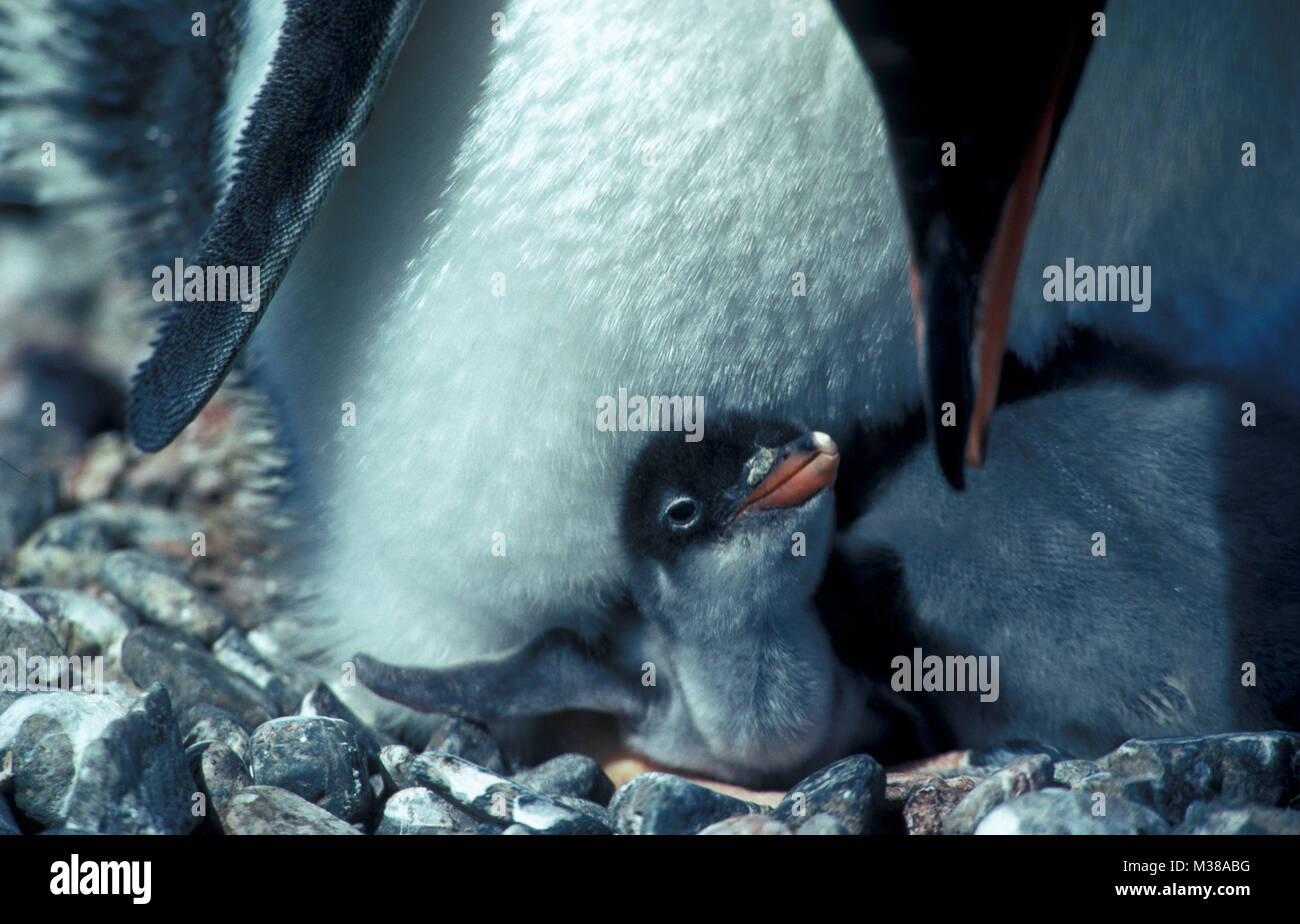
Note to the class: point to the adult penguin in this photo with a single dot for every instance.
(1149, 157)
(471, 298)
(562, 212)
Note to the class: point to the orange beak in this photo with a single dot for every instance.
(802, 469)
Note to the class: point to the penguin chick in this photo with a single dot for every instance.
(723, 666)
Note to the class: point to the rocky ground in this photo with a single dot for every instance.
(202, 727)
(163, 566)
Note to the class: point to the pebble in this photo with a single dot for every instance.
(822, 824)
(318, 758)
(205, 722)
(662, 803)
(24, 503)
(262, 810)
(748, 824)
(235, 654)
(49, 735)
(88, 764)
(221, 773)
(320, 700)
(496, 799)
(467, 740)
(1068, 772)
(68, 550)
(98, 469)
(1252, 767)
(1022, 775)
(1061, 811)
(928, 804)
(416, 811)
(8, 824)
(83, 625)
(1229, 818)
(193, 676)
(851, 790)
(23, 630)
(1139, 789)
(569, 775)
(395, 759)
(598, 814)
(156, 588)
(899, 786)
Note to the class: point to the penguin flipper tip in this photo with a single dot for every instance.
(328, 69)
(191, 358)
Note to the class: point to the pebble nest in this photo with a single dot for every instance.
(203, 726)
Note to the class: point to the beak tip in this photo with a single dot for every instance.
(951, 461)
(822, 442)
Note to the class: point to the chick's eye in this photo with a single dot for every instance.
(682, 513)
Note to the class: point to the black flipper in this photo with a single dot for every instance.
(332, 61)
(554, 673)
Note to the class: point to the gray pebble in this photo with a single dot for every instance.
(1068, 772)
(822, 824)
(852, 790)
(1060, 811)
(157, 589)
(663, 803)
(1229, 818)
(467, 740)
(262, 810)
(1141, 789)
(84, 625)
(235, 654)
(23, 634)
(68, 550)
(1022, 775)
(748, 824)
(1251, 767)
(320, 700)
(192, 676)
(599, 814)
(87, 764)
(496, 799)
(8, 824)
(317, 758)
(416, 811)
(222, 773)
(396, 758)
(570, 775)
(206, 722)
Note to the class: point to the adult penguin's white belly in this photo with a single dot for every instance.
(620, 195)
(628, 201)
